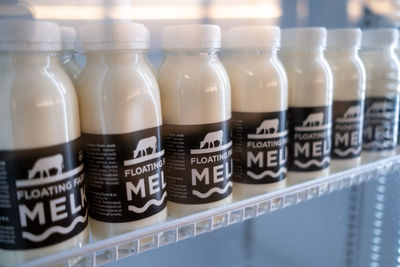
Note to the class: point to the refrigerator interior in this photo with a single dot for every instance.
(357, 225)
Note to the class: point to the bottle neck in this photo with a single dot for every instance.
(384, 50)
(117, 56)
(67, 56)
(29, 58)
(306, 52)
(207, 55)
(262, 53)
(349, 52)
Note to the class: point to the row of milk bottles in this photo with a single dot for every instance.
(240, 128)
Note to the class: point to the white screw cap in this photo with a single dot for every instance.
(379, 38)
(29, 35)
(303, 38)
(254, 37)
(344, 38)
(191, 37)
(68, 38)
(115, 36)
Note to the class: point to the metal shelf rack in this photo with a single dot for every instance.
(133, 243)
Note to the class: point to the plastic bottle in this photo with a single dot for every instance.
(67, 56)
(348, 96)
(196, 102)
(43, 208)
(310, 102)
(121, 120)
(381, 93)
(259, 106)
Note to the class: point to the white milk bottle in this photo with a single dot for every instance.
(310, 102)
(259, 105)
(43, 207)
(121, 120)
(67, 56)
(381, 93)
(196, 102)
(348, 97)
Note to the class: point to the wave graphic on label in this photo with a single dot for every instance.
(148, 204)
(378, 144)
(54, 229)
(311, 162)
(212, 142)
(347, 151)
(212, 190)
(267, 129)
(265, 173)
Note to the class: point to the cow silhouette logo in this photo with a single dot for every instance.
(211, 138)
(314, 119)
(144, 145)
(268, 127)
(352, 114)
(212, 142)
(43, 166)
(146, 149)
(378, 107)
(313, 122)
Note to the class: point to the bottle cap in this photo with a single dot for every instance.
(68, 38)
(191, 37)
(254, 37)
(344, 38)
(29, 35)
(303, 38)
(379, 38)
(115, 36)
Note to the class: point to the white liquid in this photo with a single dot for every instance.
(38, 108)
(71, 67)
(348, 85)
(259, 84)
(383, 80)
(194, 90)
(118, 94)
(310, 85)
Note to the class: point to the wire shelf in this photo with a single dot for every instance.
(139, 241)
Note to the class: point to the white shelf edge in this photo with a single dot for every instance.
(232, 213)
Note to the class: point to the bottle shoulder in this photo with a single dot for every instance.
(186, 74)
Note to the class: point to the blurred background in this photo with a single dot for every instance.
(156, 14)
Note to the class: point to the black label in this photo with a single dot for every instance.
(199, 162)
(380, 123)
(347, 129)
(125, 174)
(259, 147)
(42, 196)
(310, 131)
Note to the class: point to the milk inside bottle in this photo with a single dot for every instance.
(43, 206)
(348, 96)
(310, 101)
(196, 102)
(259, 105)
(67, 56)
(121, 120)
(381, 93)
